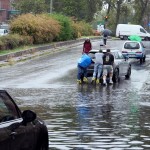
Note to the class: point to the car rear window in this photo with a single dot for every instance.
(131, 45)
(118, 55)
(92, 55)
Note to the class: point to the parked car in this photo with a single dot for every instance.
(121, 67)
(20, 130)
(3, 32)
(134, 49)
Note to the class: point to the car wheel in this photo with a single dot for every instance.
(125, 38)
(144, 58)
(146, 39)
(115, 77)
(127, 76)
(141, 60)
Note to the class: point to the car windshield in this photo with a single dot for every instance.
(131, 45)
(7, 108)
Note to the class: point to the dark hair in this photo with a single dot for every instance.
(108, 50)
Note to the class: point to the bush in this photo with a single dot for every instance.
(76, 30)
(82, 29)
(66, 27)
(12, 41)
(41, 28)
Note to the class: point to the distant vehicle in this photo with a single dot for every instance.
(134, 49)
(3, 32)
(4, 26)
(123, 31)
(20, 130)
(122, 66)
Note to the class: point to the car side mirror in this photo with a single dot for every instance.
(28, 116)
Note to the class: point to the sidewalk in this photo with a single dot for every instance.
(12, 58)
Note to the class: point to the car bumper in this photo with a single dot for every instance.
(133, 55)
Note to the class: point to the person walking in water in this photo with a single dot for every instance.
(87, 46)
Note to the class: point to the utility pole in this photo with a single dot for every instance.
(51, 6)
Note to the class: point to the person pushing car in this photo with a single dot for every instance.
(108, 61)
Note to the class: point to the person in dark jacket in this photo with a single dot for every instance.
(108, 61)
(87, 46)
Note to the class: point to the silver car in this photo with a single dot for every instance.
(134, 49)
(122, 66)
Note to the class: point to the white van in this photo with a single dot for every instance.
(123, 31)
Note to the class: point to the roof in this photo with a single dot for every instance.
(104, 50)
(128, 41)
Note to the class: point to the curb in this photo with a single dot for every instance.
(11, 58)
(41, 48)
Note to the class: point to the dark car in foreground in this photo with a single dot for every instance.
(20, 130)
(121, 67)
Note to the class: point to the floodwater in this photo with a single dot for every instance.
(83, 117)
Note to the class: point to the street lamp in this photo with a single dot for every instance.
(51, 6)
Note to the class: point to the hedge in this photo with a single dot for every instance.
(41, 28)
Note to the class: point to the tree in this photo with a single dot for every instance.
(83, 10)
(140, 10)
(28, 6)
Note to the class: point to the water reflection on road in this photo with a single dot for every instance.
(82, 117)
(85, 117)
(97, 118)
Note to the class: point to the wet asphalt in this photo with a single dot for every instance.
(83, 117)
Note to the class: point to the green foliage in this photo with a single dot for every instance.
(41, 28)
(31, 6)
(83, 10)
(66, 27)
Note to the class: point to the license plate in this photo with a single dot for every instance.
(131, 55)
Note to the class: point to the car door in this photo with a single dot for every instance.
(18, 136)
(4, 138)
(123, 63)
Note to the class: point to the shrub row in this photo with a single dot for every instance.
(42, 28)
(12, 41)
(39, 29)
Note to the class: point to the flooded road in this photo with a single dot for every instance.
(82, 117)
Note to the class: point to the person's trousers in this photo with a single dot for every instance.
(105, 40)
(82, 72)
(97, 70)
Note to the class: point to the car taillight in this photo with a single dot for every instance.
(124, 51)
(139, 52)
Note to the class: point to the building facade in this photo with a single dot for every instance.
(6, 10)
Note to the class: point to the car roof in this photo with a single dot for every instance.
(104, 50)
(131, 42)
